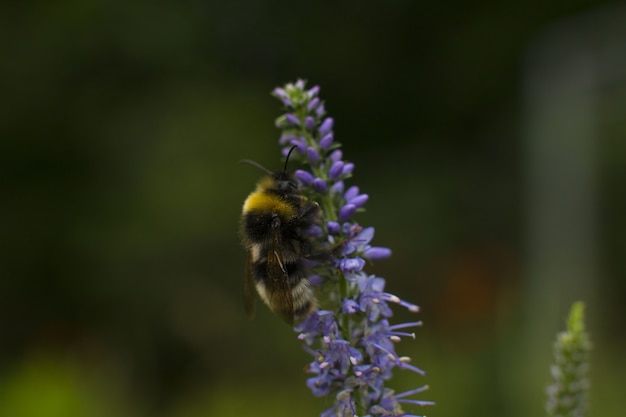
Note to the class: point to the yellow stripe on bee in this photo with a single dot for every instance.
(262, 201)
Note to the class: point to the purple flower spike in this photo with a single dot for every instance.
(320, 185)
(326, 141)
(312, 155)
(335, 170)
(326, 126)
(346, 212)
(305, 177)
(352, 344)
(309, 123)
(292, 119)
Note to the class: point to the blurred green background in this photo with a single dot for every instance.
(490, 137)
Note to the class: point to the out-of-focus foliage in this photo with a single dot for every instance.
(122, 125)
(567, 394)
(48, 385)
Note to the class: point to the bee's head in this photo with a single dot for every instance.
(284, 181)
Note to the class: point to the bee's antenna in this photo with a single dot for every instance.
(287, 158)
(262, 168)
(256, 164)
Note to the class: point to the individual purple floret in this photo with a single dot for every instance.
(313, 104)
(333, 228)
(292, 119)
(346, 212)
(283, 96)
(313, 92)
(326, 127)
(337, 188)
(359, 200)
(309, 123)
(347, 169)
(351, 264)
(326, 141)
(312, 155)
(351, 193)
(305, 177)
(335, 170)
(320, 110)
(352, 342)
(376, 253)
(336, 155)
(320, 185)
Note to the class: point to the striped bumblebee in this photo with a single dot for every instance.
(273, 227)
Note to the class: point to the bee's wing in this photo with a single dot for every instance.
(279, 290)
(248, 288)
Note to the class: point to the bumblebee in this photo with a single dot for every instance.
(273, 226)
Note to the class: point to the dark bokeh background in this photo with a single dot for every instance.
(491, 138)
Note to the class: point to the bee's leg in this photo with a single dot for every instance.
(315, 252)
(335, 250)
(309, 212)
